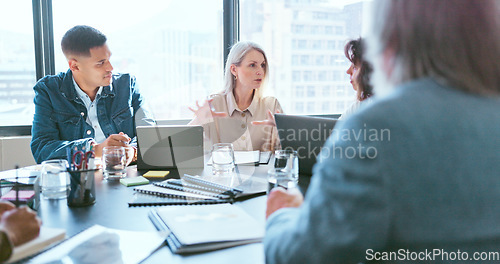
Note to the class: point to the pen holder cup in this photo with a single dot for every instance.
(82, 188)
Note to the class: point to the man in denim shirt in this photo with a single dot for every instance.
(87, 105)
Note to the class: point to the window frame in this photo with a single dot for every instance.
(44, 45)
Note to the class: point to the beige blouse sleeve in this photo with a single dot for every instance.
(275, 141)
(210, 125)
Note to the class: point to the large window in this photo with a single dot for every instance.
(17, 63)
(305, 37)
(174, 48)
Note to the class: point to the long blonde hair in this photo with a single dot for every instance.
(236, 56)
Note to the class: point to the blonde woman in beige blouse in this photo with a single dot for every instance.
(240, 114)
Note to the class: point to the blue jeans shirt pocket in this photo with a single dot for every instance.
(69, 124)
(124, 120)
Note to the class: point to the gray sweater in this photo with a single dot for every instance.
(412, 176)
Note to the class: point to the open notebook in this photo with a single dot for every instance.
(204, 228)
(47, 237)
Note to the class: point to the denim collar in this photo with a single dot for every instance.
(68, 89)
(82, 94)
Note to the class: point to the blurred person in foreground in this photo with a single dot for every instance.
(17, 226)
(425, 176)
(359, 74)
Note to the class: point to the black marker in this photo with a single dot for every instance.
(16, 186)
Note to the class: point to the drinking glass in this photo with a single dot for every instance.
(54, 179)
(289, 160)
(222, 158)
(114, 162)
(280, 177)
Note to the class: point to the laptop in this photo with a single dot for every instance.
(169, 147)
(306, 135)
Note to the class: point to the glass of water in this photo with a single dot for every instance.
(289, 160)
(222, 158)
(54, 179)
(280, 177)
(114, 162)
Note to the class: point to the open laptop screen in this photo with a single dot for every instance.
(306, 135)
(161, 147)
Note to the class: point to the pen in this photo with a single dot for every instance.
(16, 186)
(69, 156)
(17, 177)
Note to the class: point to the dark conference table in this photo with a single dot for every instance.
(112, 210)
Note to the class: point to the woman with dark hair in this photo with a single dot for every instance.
(359, 72)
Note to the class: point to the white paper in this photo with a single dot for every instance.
(244, 157)
(99, 244)
(210, 223)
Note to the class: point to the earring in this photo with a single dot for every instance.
(235, 77)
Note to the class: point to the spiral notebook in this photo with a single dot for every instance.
(210, 186)
(194, 190)
(171, 193)
(152, 195)
(144, 199)
(200, 187)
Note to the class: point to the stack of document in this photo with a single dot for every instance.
(206, 228)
